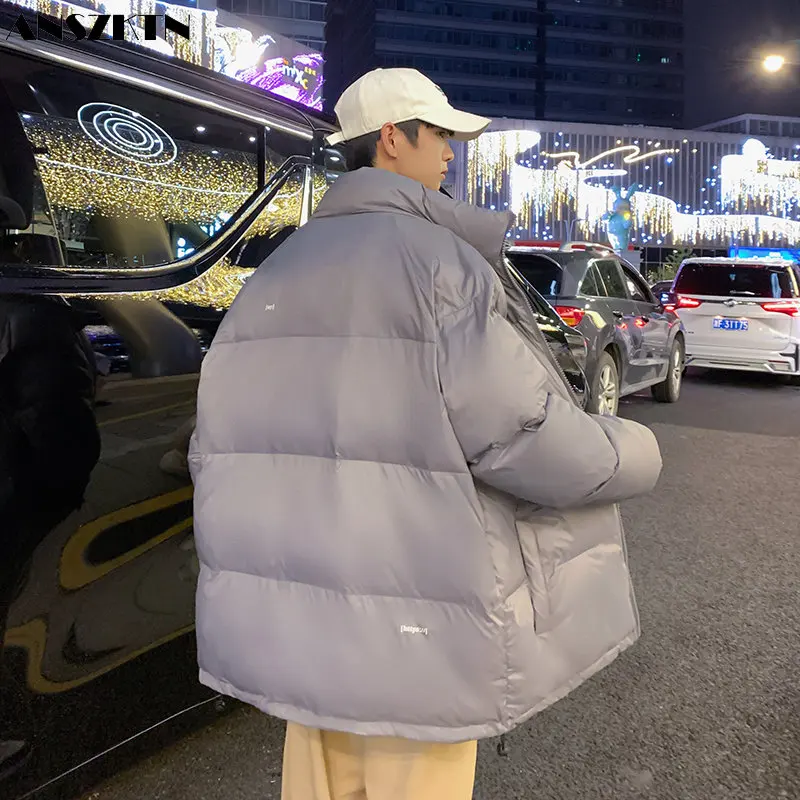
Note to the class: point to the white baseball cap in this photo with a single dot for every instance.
(400, 95)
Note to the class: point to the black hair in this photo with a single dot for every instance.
(362, 151)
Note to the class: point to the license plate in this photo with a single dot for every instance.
(725, 324)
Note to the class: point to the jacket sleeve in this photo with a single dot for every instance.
(520, 437)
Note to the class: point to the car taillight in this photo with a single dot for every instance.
(688, 302)
(792, 307)
(571, 315)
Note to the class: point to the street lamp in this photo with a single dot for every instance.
(774, 63)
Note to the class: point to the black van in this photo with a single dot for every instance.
(145, 190)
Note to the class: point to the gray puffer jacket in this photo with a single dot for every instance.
(406, 526)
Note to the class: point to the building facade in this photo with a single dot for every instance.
(301, 20)
(651, 187)
(610, 61)
(757, 125)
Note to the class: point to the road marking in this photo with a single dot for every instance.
(75, 573)
(32, 637)
(141, 414)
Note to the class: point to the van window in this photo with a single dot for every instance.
(128, 178)
(218, 286)
(273, 226)
(734, 280)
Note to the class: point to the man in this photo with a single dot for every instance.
(406, 526)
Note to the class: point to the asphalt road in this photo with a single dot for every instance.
(705, 707)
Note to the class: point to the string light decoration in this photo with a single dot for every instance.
(752, 194)
(80, 176)
(126, 133)
(218, 286)
(635, 155)
(492, 160)
(753, 182)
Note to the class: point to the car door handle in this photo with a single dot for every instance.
(645, 319)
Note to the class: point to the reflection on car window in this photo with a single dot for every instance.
(543, 273)
(112, 353)
(635, 291)
(218, 286)
(325, 173)
(591, 285)
(273, 226)
(539, 305)
(611, 275)
(129, 178)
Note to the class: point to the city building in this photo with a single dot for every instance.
(596, 61)
(301, 20)
(757, 125)
(662, 187)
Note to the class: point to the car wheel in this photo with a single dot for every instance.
(669, 390)
(605, 387)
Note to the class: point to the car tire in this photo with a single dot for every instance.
(669, 391)
(604, 399)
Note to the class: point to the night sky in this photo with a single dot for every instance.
(725, 40)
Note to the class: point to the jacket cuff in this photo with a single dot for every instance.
(639, 460)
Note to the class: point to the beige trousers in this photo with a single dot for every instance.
(322, 765)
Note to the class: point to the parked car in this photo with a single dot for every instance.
(568, 345)
(740, 314)
(661, 290)
(634, 341)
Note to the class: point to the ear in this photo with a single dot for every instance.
(390, 135)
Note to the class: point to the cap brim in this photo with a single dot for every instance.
(465, 126)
